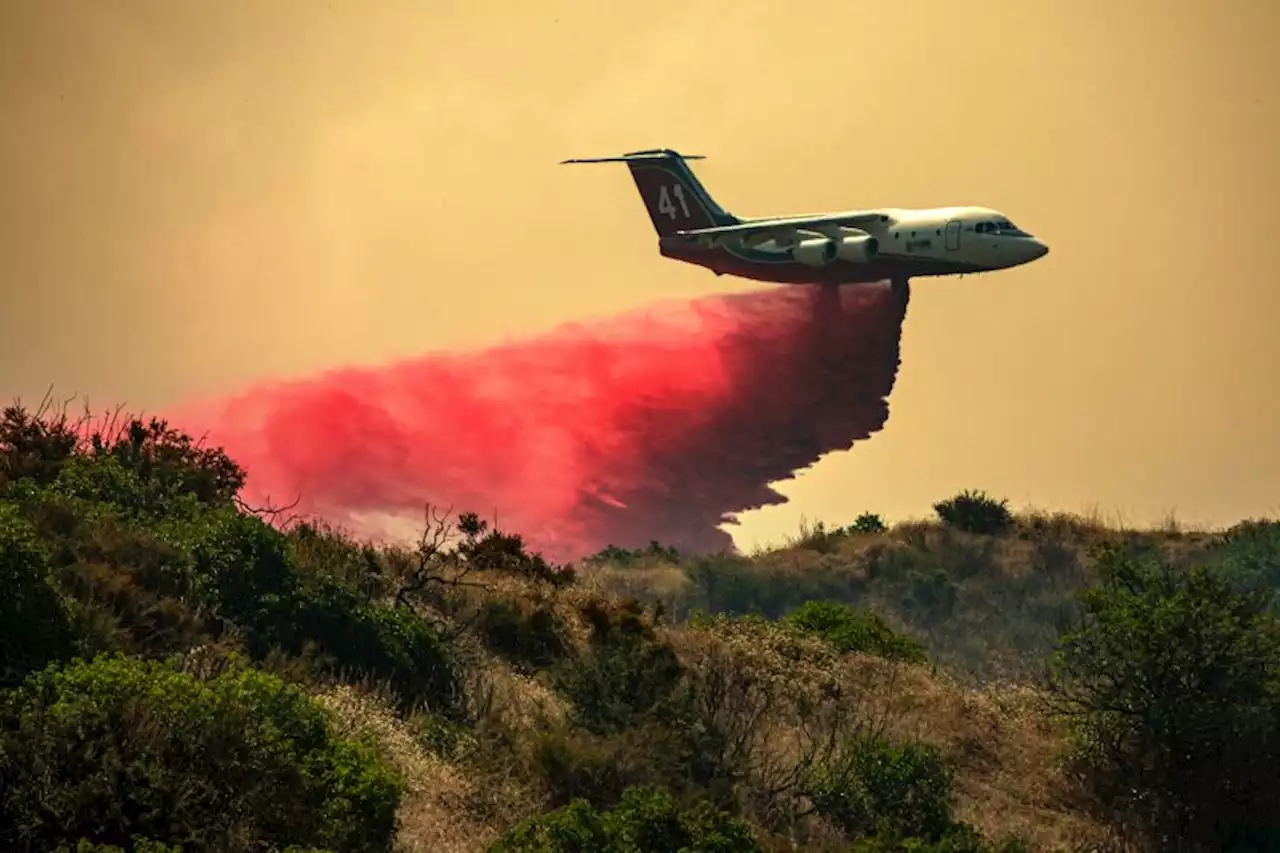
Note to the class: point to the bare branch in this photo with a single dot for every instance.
(271, 514)
(434, 559)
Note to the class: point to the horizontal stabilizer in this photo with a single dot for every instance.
(631, 157)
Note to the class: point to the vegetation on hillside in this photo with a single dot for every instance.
(179, 671)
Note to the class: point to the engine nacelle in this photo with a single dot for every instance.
(815, 251)
(858, 248)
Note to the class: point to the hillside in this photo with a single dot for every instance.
(179, 669)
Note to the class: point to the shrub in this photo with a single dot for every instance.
(246, 568)
(1251, 552)
(388, 643)
(35, 625)
(736, 586)
(868, 522)
(645, 821)
(493, 550)
(579, 765)
(975, 512)
(625, 676)
(931, 595)
(1172, 678)
(321, 550)
(899, 790)
(117, 747)
(526, 634)
(627, 557)
(145, 464)
(851, 630)
(138, 844)
(959, 839)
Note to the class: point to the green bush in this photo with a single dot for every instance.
(493, 550)
(1250, 551)
(145, 845)
(117, 747)
(624, 557)
(877, 787)
(247, 569)
(526, 634)
(645, 821)
(35, 625)
(1172, 678)
(388, 643)
(959, 839)
(318, 549)
(868, 522)
(851, 630)
(737, 586)
(975, 512)
(627, 674)
(34, 448)
(141, 466)
(931, 595)
(137, 845)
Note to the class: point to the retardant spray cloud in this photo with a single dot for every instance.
(658, 424)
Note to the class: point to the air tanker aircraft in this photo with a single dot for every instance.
(823, 248)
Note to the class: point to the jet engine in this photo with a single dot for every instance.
(857, 247)
(815, 251)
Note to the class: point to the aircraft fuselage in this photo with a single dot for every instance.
(910, 244)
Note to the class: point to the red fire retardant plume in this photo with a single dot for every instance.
(658, 424)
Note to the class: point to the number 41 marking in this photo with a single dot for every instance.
(664, 201)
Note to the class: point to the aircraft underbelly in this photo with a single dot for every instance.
(759, 264)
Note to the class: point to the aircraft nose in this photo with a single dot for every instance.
(1038, 249)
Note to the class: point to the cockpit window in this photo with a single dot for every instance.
(1000, 226)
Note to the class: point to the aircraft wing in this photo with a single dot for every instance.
(784, 225)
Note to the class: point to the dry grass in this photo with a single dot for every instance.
(1002, 744)
(447, 807)
(757, 682)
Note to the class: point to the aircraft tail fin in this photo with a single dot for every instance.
(673, 195)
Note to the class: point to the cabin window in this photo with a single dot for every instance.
(981, 227)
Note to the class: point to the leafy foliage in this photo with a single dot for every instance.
(193, 573)
(493, 550)
(850, 630)
(1172, 678)
(646, 820)
(1250, 553)
(528, 634)
(35, 625)
(627, 674)
(959, 839)
(146, 464)
(118, 747)
(868, 522)
(628, 557)
(975, 512)
(138, 844)
(882, 788)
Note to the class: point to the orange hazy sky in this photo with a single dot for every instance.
(195, 195)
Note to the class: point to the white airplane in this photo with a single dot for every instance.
(844, 247)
